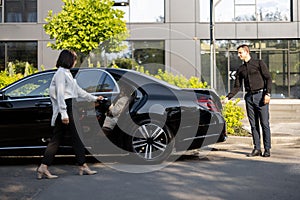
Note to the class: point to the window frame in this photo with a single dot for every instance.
(24, 13)
(233, 4)
(131, 9)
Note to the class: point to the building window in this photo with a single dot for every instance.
(281, 56)
(16, 11)
(2, 56)
(1, 8)
(18, 51)
(275, 10)
(149, 54)
(247, 10)
(244, 10)
(142, 11)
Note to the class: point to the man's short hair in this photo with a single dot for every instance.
(244, 46)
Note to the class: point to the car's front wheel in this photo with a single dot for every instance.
(152, 142)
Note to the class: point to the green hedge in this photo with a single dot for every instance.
(178, 80)
(15, 71)
(233, 115)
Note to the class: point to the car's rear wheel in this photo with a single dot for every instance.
(152, 142)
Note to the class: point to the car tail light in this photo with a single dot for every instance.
(208, 103)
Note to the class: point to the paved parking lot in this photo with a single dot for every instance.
(222, 173)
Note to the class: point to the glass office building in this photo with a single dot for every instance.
(175, 35)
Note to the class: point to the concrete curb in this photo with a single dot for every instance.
(275, 140)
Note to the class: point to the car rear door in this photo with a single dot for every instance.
(97, 82)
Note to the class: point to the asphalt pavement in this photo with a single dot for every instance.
(223, 171)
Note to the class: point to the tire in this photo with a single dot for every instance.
(151, 142)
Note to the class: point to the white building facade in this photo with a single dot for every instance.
(175, 35)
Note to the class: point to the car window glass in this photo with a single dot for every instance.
(95, 81)
(89, 79)
(36, 86)
(108, 85)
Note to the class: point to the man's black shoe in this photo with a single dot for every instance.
(255, 152)
(267, 153)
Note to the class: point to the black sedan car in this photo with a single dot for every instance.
(158, 120)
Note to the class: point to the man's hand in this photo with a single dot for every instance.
(267, 99)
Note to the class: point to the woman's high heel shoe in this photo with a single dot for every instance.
(42, 172)
(84, 169)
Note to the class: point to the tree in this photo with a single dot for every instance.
(84, 25)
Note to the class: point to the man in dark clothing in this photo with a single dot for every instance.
(257, 81)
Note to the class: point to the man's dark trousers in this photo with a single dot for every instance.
(258, 113)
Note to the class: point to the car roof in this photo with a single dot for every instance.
(131, 75)
(138, 78)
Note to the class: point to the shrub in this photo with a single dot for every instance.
(142, 70)
(178, 80)
(125, 63)
(6, 79)
(233, 115)
(14, 72)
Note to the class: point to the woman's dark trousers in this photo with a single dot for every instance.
(59, 131)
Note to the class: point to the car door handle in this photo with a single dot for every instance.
(44, 104)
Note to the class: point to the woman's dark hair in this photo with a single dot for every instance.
(66, 59)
